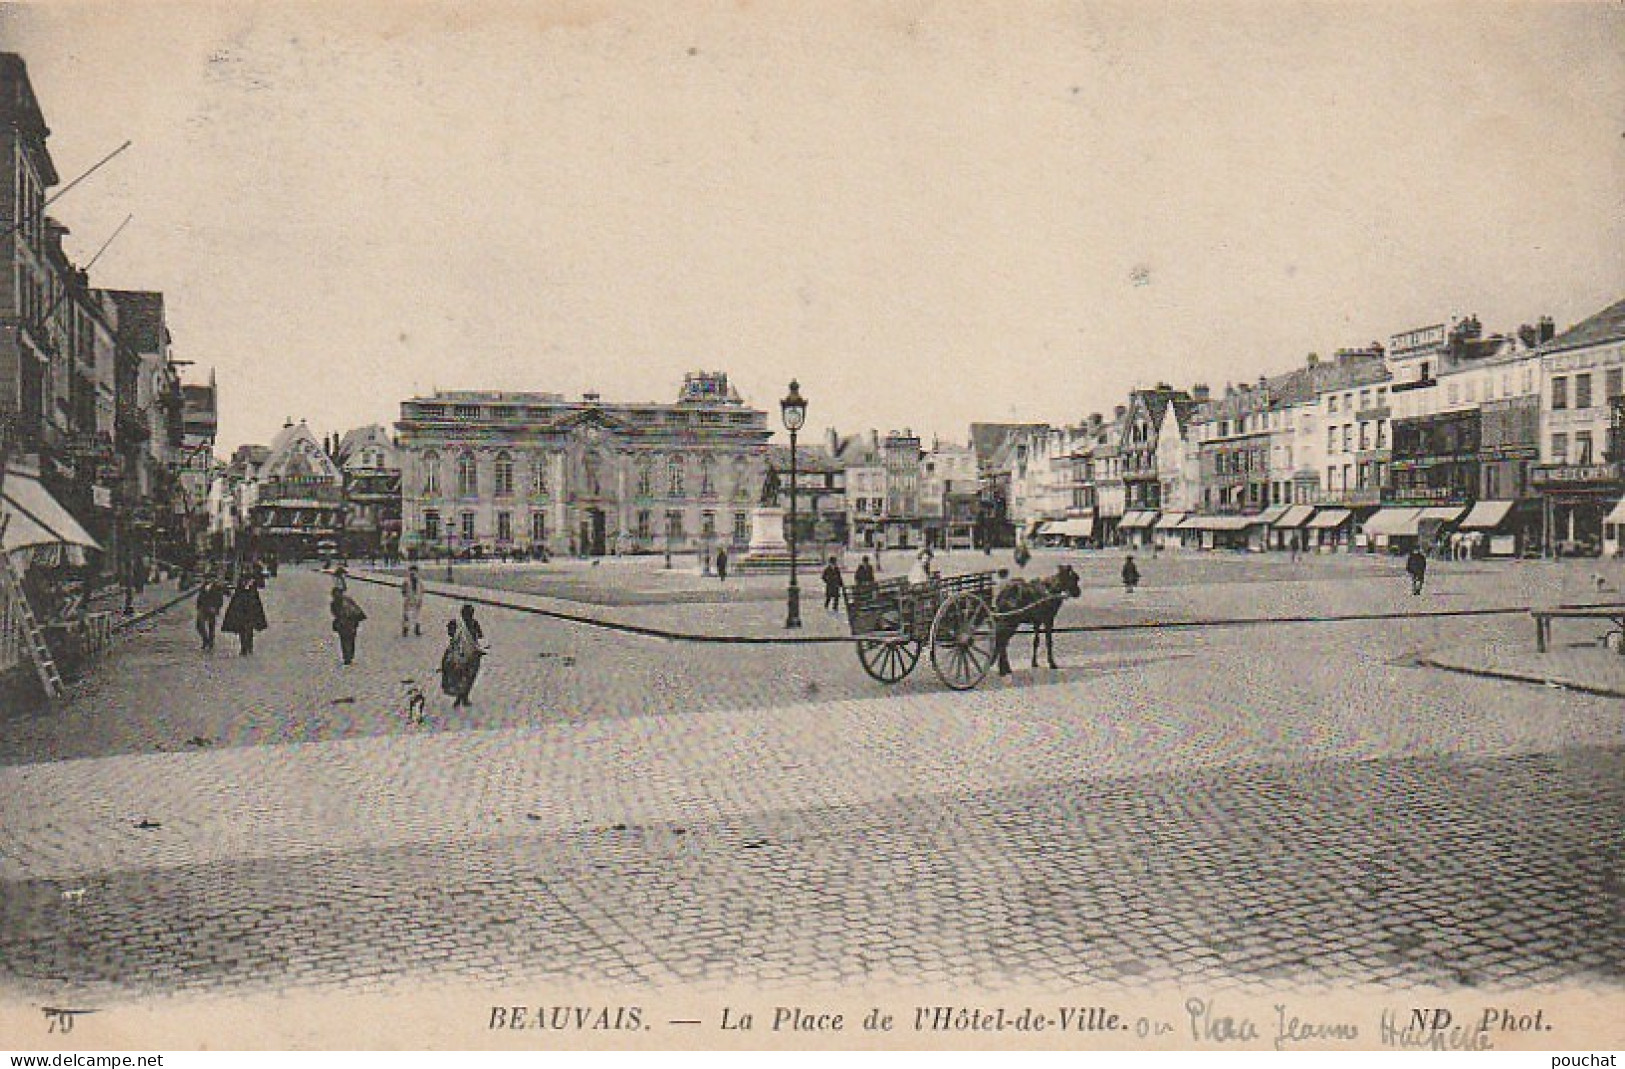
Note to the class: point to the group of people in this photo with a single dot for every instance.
(245, 611)
(466, 647)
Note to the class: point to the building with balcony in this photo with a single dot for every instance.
(1579, 478)
(494, 472)
(297, 508)
(372, 491)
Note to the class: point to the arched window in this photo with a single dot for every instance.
(674, 477)
(431, 474)
(468, 482)
(504, 487)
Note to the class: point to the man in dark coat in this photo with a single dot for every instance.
(834, 586)
(210, 597)
(347, 617)
(1131, 574)
(722, 565)
(864, 578)
(246, 613)
(1416, 566)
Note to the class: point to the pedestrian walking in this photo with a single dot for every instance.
(920, 574)
(1022, 555)
(211, 596)
(722, 564)
(1416, 565)
(245, 615)
(863, 579)
(347, 617)
(1131, 574)
(341, 579)
(412, 602)
(834, 586)
(465, 650)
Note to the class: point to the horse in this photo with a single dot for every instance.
(1031, 601)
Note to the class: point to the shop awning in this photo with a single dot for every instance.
(1441, 514)
(1616, 516)
(1170, 520)
(1072, 527)
(35, 518)
(1219, 523)
(1400, 523)
(1138, 519)
(1488, 515)
(1294, 516)
(1329, 518)
(1271, 514)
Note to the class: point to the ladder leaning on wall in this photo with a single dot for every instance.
(11, 591)
(13, 599)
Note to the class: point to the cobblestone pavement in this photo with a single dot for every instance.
(1245, 806)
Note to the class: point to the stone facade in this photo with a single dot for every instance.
(492, 473)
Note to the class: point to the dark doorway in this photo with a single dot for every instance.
(595, 532)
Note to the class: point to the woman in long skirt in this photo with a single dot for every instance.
(246, 613)
(465, 649)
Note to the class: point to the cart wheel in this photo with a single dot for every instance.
(962, 641)
(888, 659)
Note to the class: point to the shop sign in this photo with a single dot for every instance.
(1575, 474)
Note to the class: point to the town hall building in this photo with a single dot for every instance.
(497, 473)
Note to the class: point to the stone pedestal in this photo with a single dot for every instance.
(767, 531)
(769, 550)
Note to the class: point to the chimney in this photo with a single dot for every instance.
(1548, 329)
(1119, 411)
(1199, 392)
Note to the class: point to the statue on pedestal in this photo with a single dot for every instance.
(770, 488)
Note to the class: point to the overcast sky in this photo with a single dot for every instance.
(929, 213)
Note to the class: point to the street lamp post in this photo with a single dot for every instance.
(794, 410)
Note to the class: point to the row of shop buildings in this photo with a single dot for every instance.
(98, 431)
(1446, 437)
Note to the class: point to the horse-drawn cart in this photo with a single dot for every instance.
(952, 616)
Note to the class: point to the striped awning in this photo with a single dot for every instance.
(1219, 523)
(1271, 514)
(1393, 523)
(1294, 516)
(34, 518)
(1488, 515)
(1170, 520)
(1329, 518)
(1072, 527)
(1138, 519)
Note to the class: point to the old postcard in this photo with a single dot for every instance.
(591, 524)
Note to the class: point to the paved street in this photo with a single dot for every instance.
(1243, 806)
